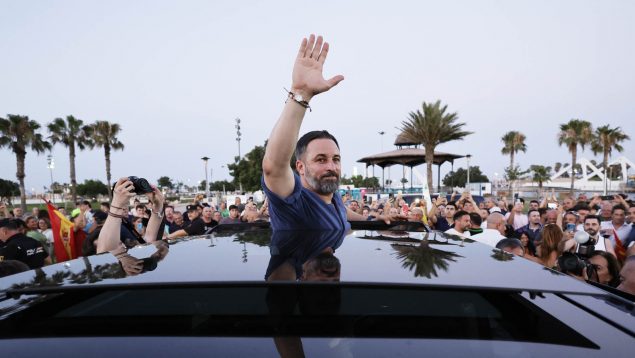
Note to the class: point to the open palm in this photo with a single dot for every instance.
(307, 77)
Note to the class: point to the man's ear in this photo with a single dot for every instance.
(299, 167)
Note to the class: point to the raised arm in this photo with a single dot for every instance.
(157, 200)
(109, 236)
(306, 81)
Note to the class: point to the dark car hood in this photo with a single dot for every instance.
(365, 257)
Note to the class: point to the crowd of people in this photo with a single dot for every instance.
(597, 231)
(30, 241)
(540, 231)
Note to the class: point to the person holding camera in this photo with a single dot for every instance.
(117, 234)
(597, 240)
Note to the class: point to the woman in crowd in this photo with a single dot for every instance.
(44, 226)
(547, 250)
(607, 268)
(528, 245)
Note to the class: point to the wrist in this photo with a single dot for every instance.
(305, 94)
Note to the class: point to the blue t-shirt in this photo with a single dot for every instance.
(305, 210)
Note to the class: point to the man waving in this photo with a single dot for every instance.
(305, 200)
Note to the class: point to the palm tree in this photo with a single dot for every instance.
(70, 133)
(104, 134)
(19, 133)
(605, 139)
(430, 128)
(540, 174)
(513, 142)
(573, 134)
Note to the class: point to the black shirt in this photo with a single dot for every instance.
(23, 248)
(199, 227)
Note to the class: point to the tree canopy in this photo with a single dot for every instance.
(360, 182)
(248, 170)
(459, 177)
(8, 189)
(92, 188)
(165, 182)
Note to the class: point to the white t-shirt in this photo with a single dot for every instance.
(520, 220)
(489, 237)
(453, 231)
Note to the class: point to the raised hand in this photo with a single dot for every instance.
(124, 190)
(307, 78)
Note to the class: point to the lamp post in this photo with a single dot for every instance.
(205, 159)
(381, 133)
(468, 171)
(51, 165)
(238, 134)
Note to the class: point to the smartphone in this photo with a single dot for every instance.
(552, 205)
(570, 227)
(607, 197)
(417, 200)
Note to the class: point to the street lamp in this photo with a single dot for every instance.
(51, 165)
(238, 134)
(468, 171)
(381, 133)
(205, 159)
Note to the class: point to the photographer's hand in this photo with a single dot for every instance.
(123, 192)
(109, 237)
(154, 224)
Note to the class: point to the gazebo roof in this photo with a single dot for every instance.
(401, 141)
(407, 156)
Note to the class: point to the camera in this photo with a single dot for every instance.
(572, 264)
(586, 243)
(141, 185)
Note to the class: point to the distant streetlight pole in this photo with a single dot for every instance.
(468, 171)
(381, 133)
(205, 159)
(238, 135)
(51, 165)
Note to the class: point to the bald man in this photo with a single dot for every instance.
(494, 232)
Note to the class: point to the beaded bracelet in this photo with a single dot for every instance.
(115, 215)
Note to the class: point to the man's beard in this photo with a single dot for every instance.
(325, 184)
(591, 232)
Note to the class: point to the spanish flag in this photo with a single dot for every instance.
(63, 235)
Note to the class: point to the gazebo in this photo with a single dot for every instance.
(408, 157)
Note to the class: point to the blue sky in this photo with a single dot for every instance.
(175, 75)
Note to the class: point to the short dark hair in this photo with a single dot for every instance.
(233, 207)
(509, 243)
(476, 219)
(11, 224)
(532, 210)
(304, 141)
(460, 214)
(452, 203)
(592, 217)
(105, 203)
(140, 206)
(534, 201)
(86, 202)
(581, 206)
(618, 207)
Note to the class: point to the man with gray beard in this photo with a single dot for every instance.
(305, 200)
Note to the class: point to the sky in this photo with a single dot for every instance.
(176, 74)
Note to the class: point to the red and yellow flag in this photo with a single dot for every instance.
(63, 235)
